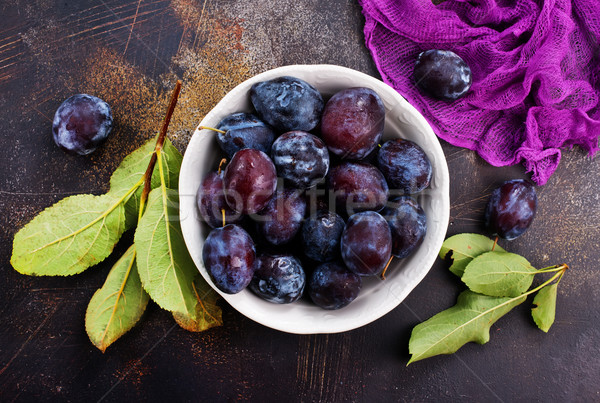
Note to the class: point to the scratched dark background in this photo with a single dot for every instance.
(130, 53)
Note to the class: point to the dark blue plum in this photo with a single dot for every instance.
(353, 122)
(300, 158)
(228, 256)
(332, 286)
(404, 165)
(442, 74)
(357, 186)
(211, 202)
(244, 130)
(408, 225)
(81, 123)
(321, 236)
(287, 103)
(366, 243)
(281, 219)
(278, 278)
(511, 209)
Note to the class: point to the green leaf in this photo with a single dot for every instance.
(129, 174)
(131, 171)
(499, 274)
(70, 236)
(171, 162)
(164, 264)
(545, 309)
(207, 314)
(132, 168)
(464, 248)
(469, 320)
(118, 305)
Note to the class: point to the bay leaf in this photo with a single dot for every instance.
(116, 307)
(164, 264)
(207, 313)
(467, 321)
(499, 274)
(132, 169)
(464, 248)
(544, 311)
(70, 236)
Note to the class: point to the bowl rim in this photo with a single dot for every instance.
(441, 169)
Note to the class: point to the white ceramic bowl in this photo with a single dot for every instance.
(377, 297)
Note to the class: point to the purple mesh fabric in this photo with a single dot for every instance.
(535, 65)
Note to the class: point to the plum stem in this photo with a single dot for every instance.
(223, 161)
(211, 128)
(386, 267)
(223, 215)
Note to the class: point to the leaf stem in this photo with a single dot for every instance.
(558, 275)
(160, 141)
(164, 189)
(170, 110)
(552, 269)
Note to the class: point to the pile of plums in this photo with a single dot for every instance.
(310, 198)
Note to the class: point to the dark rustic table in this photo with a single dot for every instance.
(129, 53)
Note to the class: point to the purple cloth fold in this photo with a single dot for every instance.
(535, 65)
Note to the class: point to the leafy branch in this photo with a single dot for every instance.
(166, 269)
(80, 231)
(160, 141)
(498, 281)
